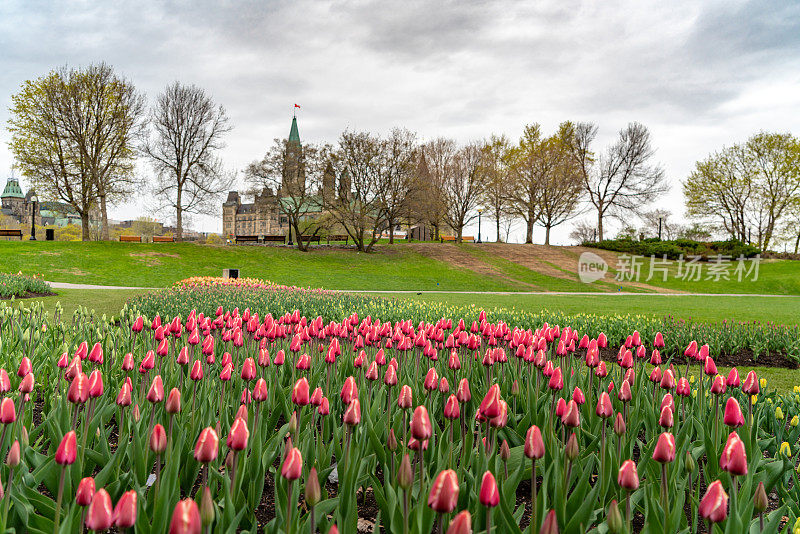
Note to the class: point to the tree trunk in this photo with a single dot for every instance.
(797, 243)
(459, 234)
(302, 247)
(529, 231)
(104, 234)
(546, 235)
(391, 233)
(498, 230)
(179, 216)
(599, 225)
(85, 226)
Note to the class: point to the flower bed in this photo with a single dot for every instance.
(282, 422)
(21, 286)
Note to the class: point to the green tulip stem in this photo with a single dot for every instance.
(57, 519)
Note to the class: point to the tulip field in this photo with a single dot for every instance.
(248, 407)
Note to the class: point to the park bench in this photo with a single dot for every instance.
(10, 232)
(452, 239)
(130, 239)
(274, 239)
(247, 239)
(310, 238)
(163, 239)
(338, 237)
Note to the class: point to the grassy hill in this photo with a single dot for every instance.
(414, 267)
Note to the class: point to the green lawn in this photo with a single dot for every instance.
(784, 310)
(152, 265)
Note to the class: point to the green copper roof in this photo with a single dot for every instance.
(12, 189)
(294, 134)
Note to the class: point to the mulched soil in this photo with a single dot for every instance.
(744, 358)
(30, 295)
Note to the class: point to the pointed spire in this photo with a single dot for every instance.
(294, 134)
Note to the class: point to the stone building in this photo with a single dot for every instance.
(16, 207)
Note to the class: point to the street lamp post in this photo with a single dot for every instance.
(479, 225)
(34, 200)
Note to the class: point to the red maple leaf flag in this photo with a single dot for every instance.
(298, 107)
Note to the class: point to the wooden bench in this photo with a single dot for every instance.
(10, 232)
(310, 238)
(130, 239)
(247, 239)
(452, 239)
(163, 239)
(338, 237)
(274, 239)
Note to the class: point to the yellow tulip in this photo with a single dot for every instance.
(763, 383)
(795, 420)
(691, 379)
(779, 414)
(786, 449)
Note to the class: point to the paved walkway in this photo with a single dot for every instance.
(67, 285)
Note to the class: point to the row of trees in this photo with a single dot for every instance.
(541, 180)
(76, 135)
(750, 190)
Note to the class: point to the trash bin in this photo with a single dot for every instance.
(230, 273)
(49, 234)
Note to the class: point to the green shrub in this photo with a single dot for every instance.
(20, 285)
(677, 248)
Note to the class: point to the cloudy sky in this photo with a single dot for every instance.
(700, 75)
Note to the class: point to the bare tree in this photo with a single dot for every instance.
(72, 135)
(495, 171)
(623, 180)
(463, 187)
(670, 229)
(396, 177)
(295, 172)
(188, 131)
(359, 210)
(583, 232)
(561, 186)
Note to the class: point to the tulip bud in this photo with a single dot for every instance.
(443, 496)
(68, 449)
(734, 458)
(125, 511)
(571, 450)
(313, 492)
(391, 443)
(158, 439)
(238, 436)
(83, 497)
(628, 477)
(405, 475)
(714, 505)
(572, 415)
(534, 445)
(352, 414)
(8, 411)
(604, 408)
(760, 501)
(293, 424)
(206, 507)
(550, 525)
(614, 518)
(293, 465)
(665, 448)
(185, 518)
(174, 401)
(666, 419)
(333, 530)
(505, 452)
(99, 515)
(689, 463)
(206, 449)
(461, 523)
(489, 495)
(421, 424)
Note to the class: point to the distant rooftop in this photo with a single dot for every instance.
(12, 189)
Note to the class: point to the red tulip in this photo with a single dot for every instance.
(578, 396)
(572, 416)
(8, 411)
(25, 367)
(556, 382)
(624, 394)
(443, 496)
(260, 390)
(316, 397)
(206, 448)
(125, 511)
(668, 380)
(619, 424)
(248, 369)
(79, 389)
(127, 362)
(185, 518)
(734, 457)
(300, 392)
(718, 385)
(733, 413)
(683, 388)
(421, 424)
(604, 408)
(405, 399)
(461, 523)
(489, 495)
(83, 497)
(352, 414)
(709, 367)
(238, 435)
(173, 405)
(666, 419)
(156, 392)
(750, 385)
(158, 439)
(431, 380)
(462, 393)
(26, 385)
(324, 407)
(390, 377)
(292, 467)
(561, 407)
(665, 448)
(349, 390)
(68, 449)
(550, 525)
(667, 400)
(733, 378)
(534, 445)
(658, 342)
(451, 408)
(714, 505)
(5, 381)
(627, 477)
(100, 514)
